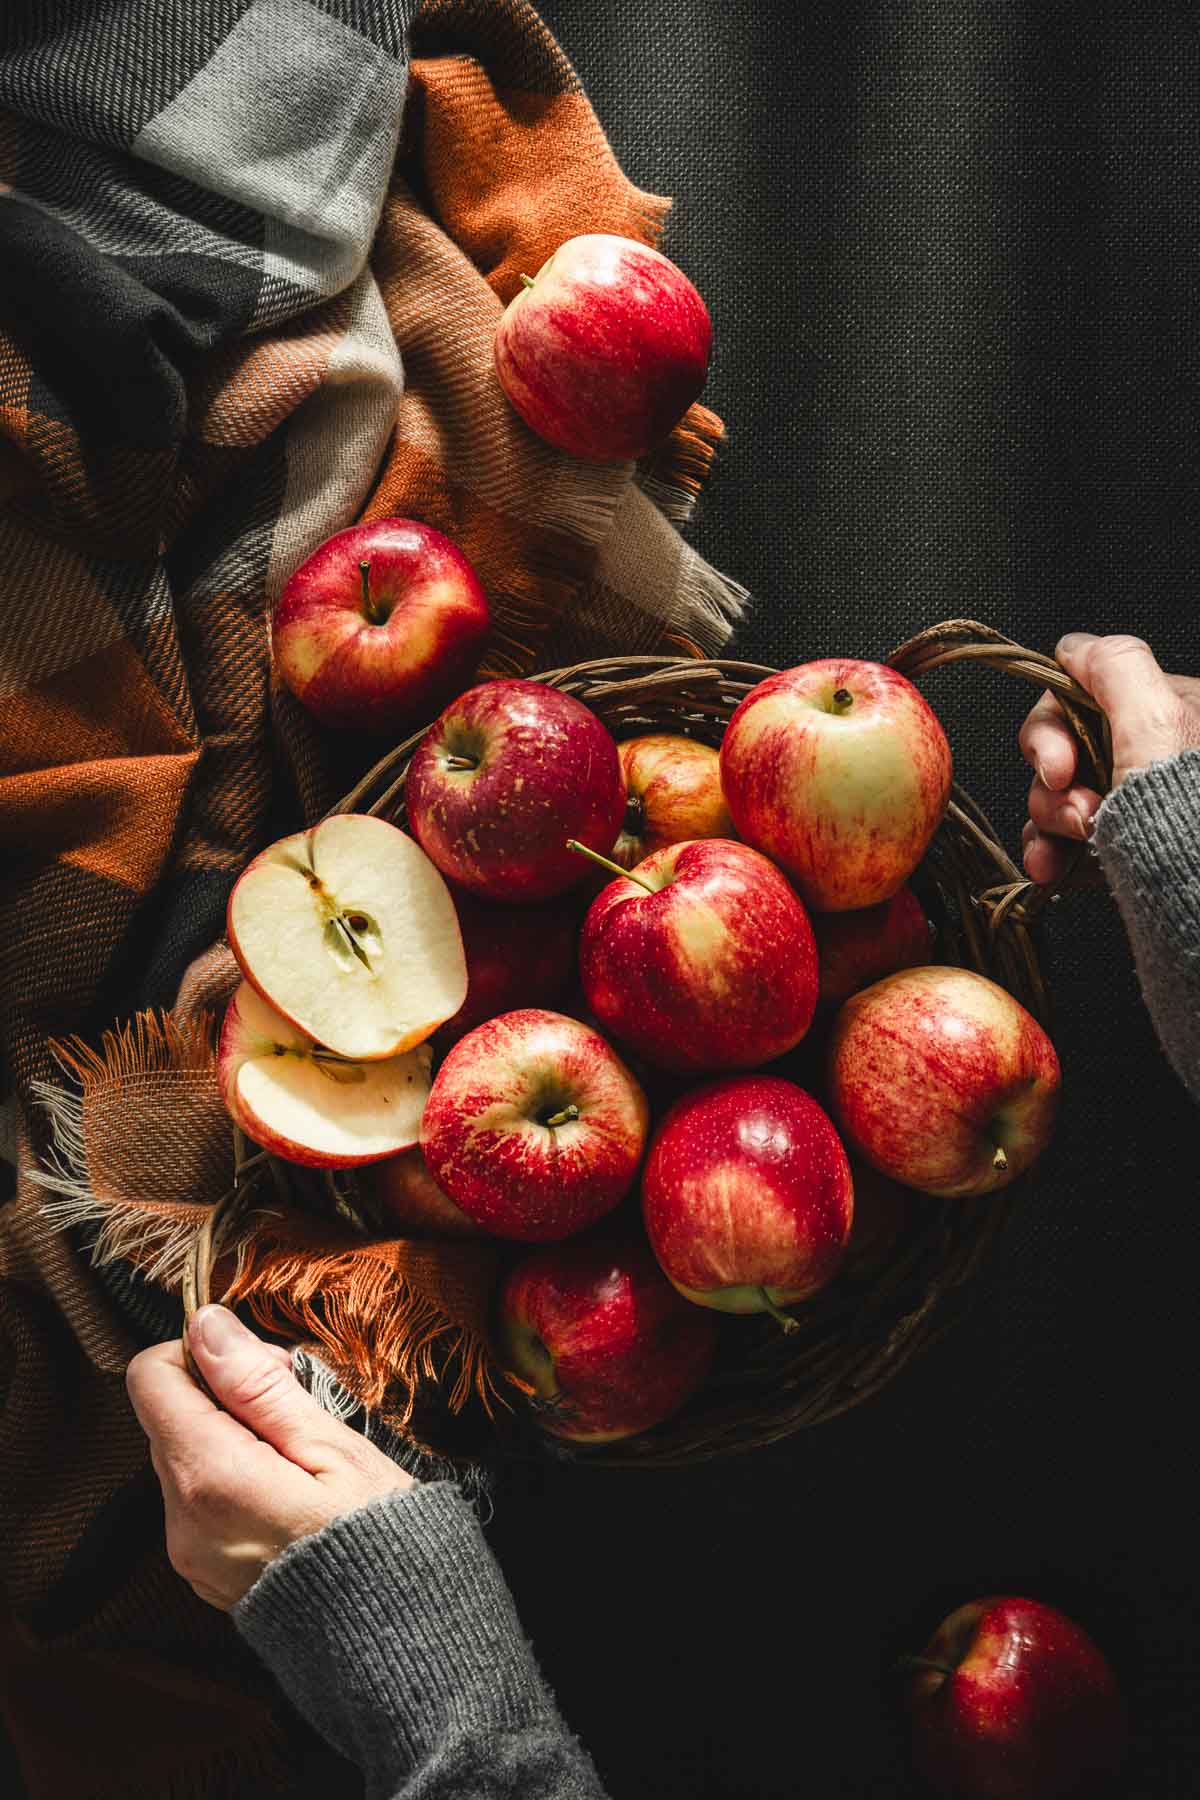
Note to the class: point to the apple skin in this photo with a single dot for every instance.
(672, 796)
(602, 1338)
(1031, 1712)
(377, 674)
(411, 1200)
(943, 1081)
(541, 769)
(716, 969)
(517, 956)
(855, 949)
(487, 1143)
(604, 352)
(747, 1195)
(843, 795)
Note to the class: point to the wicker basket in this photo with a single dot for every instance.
(856, 1335)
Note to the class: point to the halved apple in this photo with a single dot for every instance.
(302, 1102)
(350, 932)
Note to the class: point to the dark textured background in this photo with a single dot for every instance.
(949, 249)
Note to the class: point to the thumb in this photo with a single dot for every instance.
(1123, 676)
(259, 1390)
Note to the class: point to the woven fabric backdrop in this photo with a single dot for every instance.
(950, 254)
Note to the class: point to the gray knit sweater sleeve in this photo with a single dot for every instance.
(393, 1632)
(1147, 836)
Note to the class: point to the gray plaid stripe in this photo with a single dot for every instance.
(104, 71)
(123, 208)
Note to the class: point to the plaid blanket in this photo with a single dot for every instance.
(254, 254)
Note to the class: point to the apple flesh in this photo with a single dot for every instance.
(516, 956)
(1011, 1700)
(297, 1100)
(672, 796)
(747, 1196)
(602, 1339)
(943, 1081)
(408, 1197)
(840, 772)
(380, 625)
(855, 949)
(702, 958)
(349, 931)
(505, 776)
(534, 1126)
(603, 351)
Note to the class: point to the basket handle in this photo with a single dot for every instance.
(966, 640)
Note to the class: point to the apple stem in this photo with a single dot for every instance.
(373, 615)
(461, 762)
(529, 280)
(777, 1313)
(843, 700)
(565, 1117)
(1000, 1159)
(912, 1665)
(606, 862)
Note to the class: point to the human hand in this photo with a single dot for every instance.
(1150, 714)
(241, 1485)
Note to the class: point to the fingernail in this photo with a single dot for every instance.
(1040, 771)
(1074, 821)
(219, 1330)
(1074, 640)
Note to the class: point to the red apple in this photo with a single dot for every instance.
(856, 948)
(349, 931)
(602, 1338)
(380, 625)
(534, 1126)
(747, 1195)
(672, 796)
(943, 1081)
(603, 351)
(701, 958)
(303, 1103)
(516, 956)
(839, 771)
(410, 1199)
(1015, 1702)
(505, 776)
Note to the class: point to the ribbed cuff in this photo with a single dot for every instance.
(1147, 836)
(392, 1628)
(1151, 820)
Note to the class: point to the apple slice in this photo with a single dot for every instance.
(350, 932)
(301, 1102)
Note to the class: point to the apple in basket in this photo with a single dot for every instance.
(840, 771)
(534, 1126)
(380, 625)
(1011, 1700)
(350, 932)
(701, 958)
(747, 1196)
(410, 1201)
(600, 1335)
(516, 956)
(856, 948)
(300, 1101)
(672, 795)
(604, 349)
(942, 1080)
(503, 778)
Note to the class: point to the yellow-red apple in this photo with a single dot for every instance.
(840, 771)
(943, 1080)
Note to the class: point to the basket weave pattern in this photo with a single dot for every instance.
(855, 1336)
